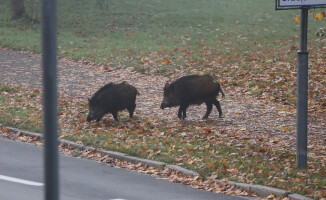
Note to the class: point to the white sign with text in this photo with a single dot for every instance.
(296, 3)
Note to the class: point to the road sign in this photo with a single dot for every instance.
(297, 4)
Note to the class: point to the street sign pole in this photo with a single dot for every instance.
(302, 93)
(49, 61)
(302, 74)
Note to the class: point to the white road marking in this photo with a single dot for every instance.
(17, 180)
(117, 199)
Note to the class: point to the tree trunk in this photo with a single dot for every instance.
(17, 9)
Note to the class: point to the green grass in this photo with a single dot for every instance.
(5, 88)
(134, 28)
(26, 117)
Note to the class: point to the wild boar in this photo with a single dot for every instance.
(191, 90)
(112, 98)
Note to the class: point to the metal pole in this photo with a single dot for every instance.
(302, 93)
(49, 61)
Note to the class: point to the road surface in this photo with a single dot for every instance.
(21, 177)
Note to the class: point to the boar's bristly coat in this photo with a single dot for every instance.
(190, 90)
(112, 98)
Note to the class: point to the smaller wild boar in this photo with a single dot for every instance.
(112, 98)
(190, 90)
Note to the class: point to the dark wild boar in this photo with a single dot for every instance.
(112, 98)
(190, 90)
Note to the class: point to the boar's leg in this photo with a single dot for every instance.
(209, 106)
(218, 106)
(98, 118)
(115, 115)
(182, 114)
(131, 110)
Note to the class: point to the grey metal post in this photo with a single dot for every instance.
(302, 93)
(49, 61)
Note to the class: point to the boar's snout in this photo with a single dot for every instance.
(89, 118)
(162, 106)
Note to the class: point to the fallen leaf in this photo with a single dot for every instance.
(319, 16)
(297, 19)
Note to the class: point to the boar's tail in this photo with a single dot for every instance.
(223, 95)
(221, 90)
(137, 93)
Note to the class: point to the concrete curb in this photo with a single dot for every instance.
(262, 191)
(182, 170)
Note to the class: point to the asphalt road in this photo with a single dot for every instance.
(21, 177)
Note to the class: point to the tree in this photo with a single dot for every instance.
(17, 9)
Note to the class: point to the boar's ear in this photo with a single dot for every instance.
(166, 85)
(169, 86)
(91, 101)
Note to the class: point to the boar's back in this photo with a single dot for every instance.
(195, 88)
